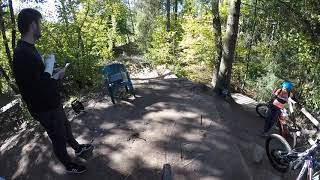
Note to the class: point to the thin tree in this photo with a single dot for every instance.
(168, 7)
(131, 14)
(224, 75)
(4, 36)
(175, 10)
(217, 40)
(6, 46)
(13, 25)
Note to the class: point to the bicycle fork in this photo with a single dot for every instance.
(307, 166)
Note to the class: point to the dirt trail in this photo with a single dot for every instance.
(171, 121)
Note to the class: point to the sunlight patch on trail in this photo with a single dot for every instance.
(24, 161)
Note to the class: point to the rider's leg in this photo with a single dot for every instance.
(271, 118)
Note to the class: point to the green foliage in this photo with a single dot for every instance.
(84, 35)
(265, 85)
(147, 12)
(161, 46)
(187, 48)
(277, 40)
(282, 47)
(85, 38)
(197, 49)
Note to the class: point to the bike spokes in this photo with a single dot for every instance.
(278, 150)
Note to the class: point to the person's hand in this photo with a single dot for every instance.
(56, 70)
(59, 75)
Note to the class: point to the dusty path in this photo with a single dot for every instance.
(170, 121)
(247, 127)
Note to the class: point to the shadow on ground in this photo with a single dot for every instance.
(170, 121)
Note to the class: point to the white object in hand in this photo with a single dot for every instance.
(66, 66)
(49, 64)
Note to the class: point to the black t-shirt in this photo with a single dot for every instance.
(38, 89)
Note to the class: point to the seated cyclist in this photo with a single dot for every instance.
(279, 99)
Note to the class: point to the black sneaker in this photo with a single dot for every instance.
(83, 148)
(75, 169)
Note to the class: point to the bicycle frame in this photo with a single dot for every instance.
(307, 158)
(308, 166)
(284, 129)
(283, 117)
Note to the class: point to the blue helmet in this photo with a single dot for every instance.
(287, 85)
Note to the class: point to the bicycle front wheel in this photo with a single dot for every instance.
(277, 149)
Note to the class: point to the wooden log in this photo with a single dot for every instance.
(310, 117)
(9, 105)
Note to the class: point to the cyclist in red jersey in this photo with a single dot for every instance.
(280, 98)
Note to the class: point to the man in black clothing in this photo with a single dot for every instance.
(40, 92)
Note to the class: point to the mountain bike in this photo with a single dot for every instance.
(285, 159)
(289, 132)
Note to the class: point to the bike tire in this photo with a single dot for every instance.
(291, 138)
(261, 110)
(289, 135)
(279, 166)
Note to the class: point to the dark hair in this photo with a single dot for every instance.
(26, 17)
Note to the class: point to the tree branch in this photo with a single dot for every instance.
(13, 25)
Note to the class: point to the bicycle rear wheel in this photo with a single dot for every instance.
(277, 148)
(262, 110)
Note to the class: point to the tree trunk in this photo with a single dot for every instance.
(168, 7)
(217, 40)
(224, 75)
(175, 10)
(5, 39)
(64, 14)
(78, 28)
(130, 14)
(6, 46)
(13, 25)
